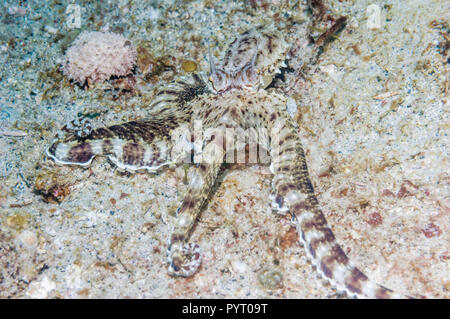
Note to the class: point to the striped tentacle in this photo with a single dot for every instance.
(132, 145)
(143, 144)
(293, 189)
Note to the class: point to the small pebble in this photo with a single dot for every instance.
(41, 289)
(50, 29)
(270, 278)
(291, 107)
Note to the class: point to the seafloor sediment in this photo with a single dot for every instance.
(373, 120)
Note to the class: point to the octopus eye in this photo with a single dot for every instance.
(219, 79)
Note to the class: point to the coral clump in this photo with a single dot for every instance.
(97, 56)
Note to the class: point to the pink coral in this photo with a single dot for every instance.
(97, 56)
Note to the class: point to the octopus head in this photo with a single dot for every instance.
(245, 78)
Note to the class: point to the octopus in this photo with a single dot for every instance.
(239, 110)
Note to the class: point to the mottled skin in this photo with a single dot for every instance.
(233, 98)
